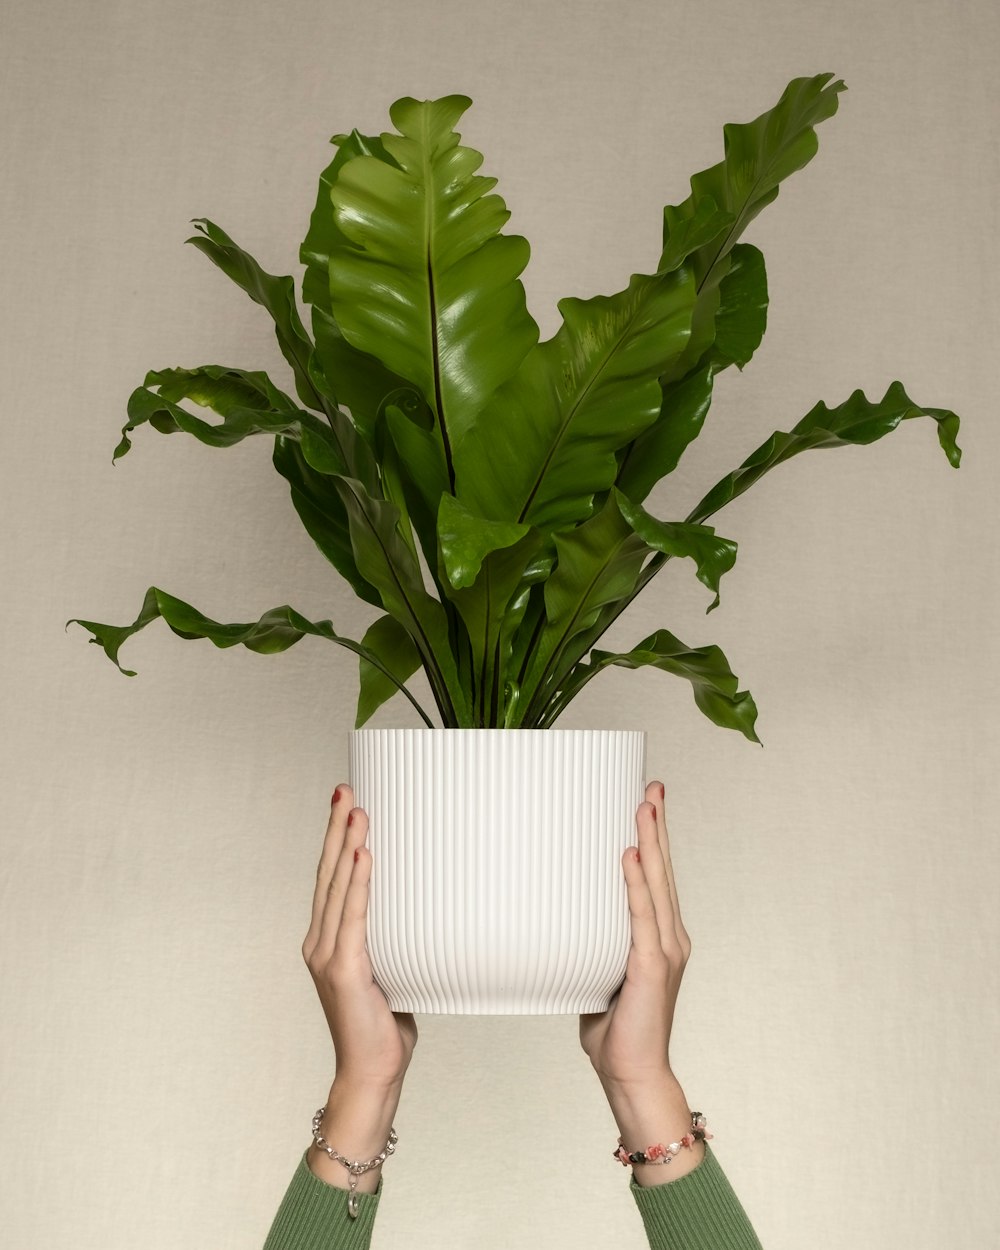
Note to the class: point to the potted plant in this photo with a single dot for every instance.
(485, 492)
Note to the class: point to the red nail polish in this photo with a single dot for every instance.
(357, 855)
(637, 855)
(663, 793)
(336, 796)
(350, 818)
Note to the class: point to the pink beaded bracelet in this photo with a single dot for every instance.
(665, 1154)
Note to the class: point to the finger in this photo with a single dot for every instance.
(351, 934)
(664, 839)
(340, 806)
(333, 908)
(655, 868)
(645, 928)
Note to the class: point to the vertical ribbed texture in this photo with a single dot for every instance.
(697, 1212)
(313, 1216)
(497, 885)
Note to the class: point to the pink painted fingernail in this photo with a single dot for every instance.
(357, 855)
(636, 854)
(336, 796)
(350, 818)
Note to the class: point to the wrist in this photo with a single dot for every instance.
(651, 1113)
(356, 1123)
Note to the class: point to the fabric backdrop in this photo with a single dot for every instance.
(162, 1051)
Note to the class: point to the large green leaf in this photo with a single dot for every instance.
(716, 688)
(276, 294)
(857, 421)
(759, 155)
(385, 560)
(712, 554)
(339, 371)
(427, 283)
(548, 440)
(324, 233)
(322, 514)
(656, 453)
(740, 321)
(598, 564)
(276, 630)
(400, 659)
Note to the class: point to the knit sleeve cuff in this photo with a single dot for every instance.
(313, 1216)
(698, 1212)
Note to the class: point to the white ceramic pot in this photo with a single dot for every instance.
(497, 885)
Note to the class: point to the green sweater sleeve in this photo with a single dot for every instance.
(697, 1212)
(313, 1216)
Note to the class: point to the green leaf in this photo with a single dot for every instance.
(759, 155)
(276, 294)
(548, 441)
(466, 540)
(355, 379)
(276, 631)
(422, 471)
(740, 321)
(741, 318)
(322, 514)
(400, 659)
(492, 571)
(427, 284)
(857, 421)
(243, 406)
(324, 234)
(339, 371)
(716, 688)
(712, 555)
(384, 560)
(598, 564)
(656, 453)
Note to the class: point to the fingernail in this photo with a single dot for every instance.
(350, 818)
(357, 854)
(663, 793)
(336, 796)
(636, 854)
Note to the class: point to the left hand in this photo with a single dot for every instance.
(629, 1044)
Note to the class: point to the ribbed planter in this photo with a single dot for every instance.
(497, 885)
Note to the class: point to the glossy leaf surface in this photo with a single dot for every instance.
(427, 283)
(548, 441)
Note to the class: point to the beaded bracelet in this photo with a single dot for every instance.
(665, 1154)
(355, 1167)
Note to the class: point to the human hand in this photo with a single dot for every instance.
(629, 1043)
(373, 1045)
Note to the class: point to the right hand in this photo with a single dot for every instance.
(373, 1044)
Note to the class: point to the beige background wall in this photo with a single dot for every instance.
(162, 1051)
